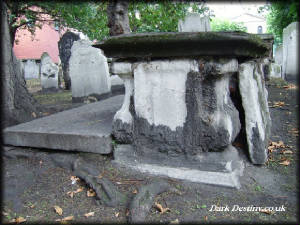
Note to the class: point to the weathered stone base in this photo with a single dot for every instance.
(217, 168)
(91, 98)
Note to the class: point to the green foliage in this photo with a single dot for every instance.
(91, 17)
(160, 16)
(280, 15)
(226, 25)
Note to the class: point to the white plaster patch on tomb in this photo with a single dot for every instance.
(124, 114)
(160, 89)
(116, 80)
(88, 70)
(121, 68)
(220, 117)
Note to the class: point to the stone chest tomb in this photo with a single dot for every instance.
(187, 98)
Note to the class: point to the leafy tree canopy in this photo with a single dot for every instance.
(226, 25)
(280, 15)
(91, 17)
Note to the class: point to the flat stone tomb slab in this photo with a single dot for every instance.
(183, 44)
(217, 168)
(87, 128)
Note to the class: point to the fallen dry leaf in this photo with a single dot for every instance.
(68, 218)
(117, 214)
(205, 218)
(278, 104)
(127, 212)
(278, 144)
(90, 193)
(32, 206)
(266, 211)
(33, 114)
(160, 208)
(285, 162)
(74, 179)
(46, 114)
(174, 221)
(18, 220)
(70, 193)
(134, 191)
(286, 152)
(89, 214)
(290, 86)
(58, 210)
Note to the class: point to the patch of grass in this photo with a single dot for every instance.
(278, 82)
(52, 98)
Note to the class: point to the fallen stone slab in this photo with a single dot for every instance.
(87, 128)
(217, 168)
(141, 204)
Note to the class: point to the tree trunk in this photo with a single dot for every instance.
(18, 104)
(118, 20)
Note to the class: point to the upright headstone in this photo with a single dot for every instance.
(290, 62)
(49, 73)
(193, 22)
(64, 45)
(278, 55)
(88, 72)
(31, 69)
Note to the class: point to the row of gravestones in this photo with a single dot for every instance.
(286, 65)
(84, 69)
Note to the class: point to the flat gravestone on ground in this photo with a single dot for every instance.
(86, 128)
(64, 46)
(49, 73)
(89, 72)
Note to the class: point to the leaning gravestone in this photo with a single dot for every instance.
(88, 72)
(49, 73)
(64, 47)
(290, 62)
(193, 22)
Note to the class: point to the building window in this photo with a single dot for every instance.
(259, 30)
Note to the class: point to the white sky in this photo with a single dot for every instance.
(229, 9)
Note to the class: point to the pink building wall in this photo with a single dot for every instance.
(45, 40)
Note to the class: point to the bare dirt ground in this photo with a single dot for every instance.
(33, 184)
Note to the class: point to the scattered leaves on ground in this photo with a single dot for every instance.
(68, 218)
(286, 152)
(58, 210)
(160, 208)
(294, 131)
(90, 193)
(285, 162)
(72, 193)
(174, 221)
(273, 145)
(278, 104)
(18, 220)
(74, 179)
(266, 211)
(89, 214)
(290, 86)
